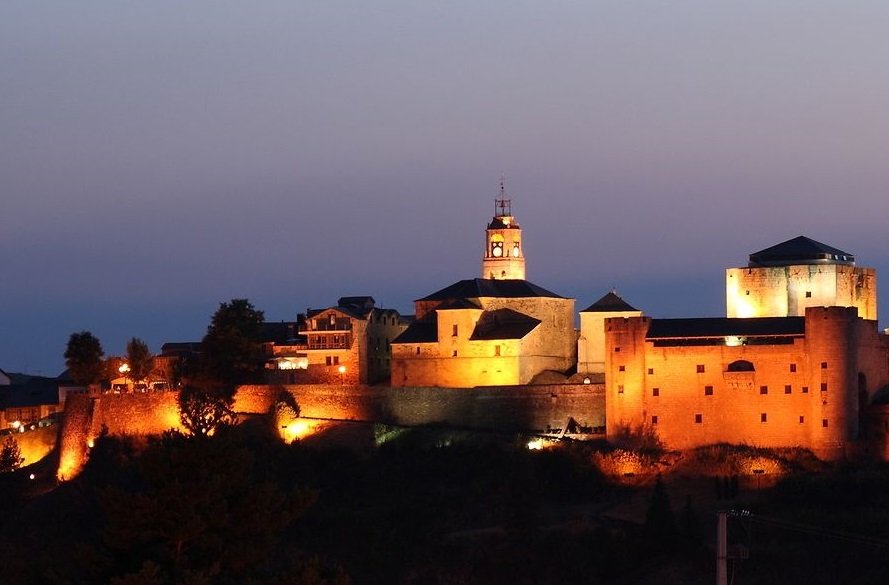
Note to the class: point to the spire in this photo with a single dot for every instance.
(502, 205)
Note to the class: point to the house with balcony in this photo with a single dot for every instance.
(349, 343)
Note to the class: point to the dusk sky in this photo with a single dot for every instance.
(161, 157)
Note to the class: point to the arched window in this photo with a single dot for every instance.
(741, 366)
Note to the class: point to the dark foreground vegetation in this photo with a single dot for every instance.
(421, 506)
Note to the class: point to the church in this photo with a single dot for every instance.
(497, 330)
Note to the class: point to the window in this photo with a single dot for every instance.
(763, 389)
(454, 354)
(699, 418)
(418, 350)
(496, 350)
(654, 419)
(620, 388)
(708, 390)
(824, 422)
(616, 350)
(740, 366)
(336, 360)
(824, 386)
(788, 389)
(454, 330)
(804, 389)
(700, 368)
(655, 391)
(622, 368)
(808, 294)
(650, 371)
(823, 365)
(802, 419)
(763, 417)
(328, 360)
(792, 368)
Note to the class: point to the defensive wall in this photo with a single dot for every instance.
(532, 409)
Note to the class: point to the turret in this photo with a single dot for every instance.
(504, 258)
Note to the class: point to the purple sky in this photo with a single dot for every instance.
(161, 157)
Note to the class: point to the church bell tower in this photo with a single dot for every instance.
(504, 258)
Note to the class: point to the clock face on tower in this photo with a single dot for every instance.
(497, 249)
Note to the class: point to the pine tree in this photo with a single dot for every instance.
(10, 456)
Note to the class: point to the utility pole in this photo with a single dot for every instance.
(722, 548)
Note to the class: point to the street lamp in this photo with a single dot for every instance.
(342, 371)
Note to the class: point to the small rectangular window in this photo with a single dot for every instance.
(802, 419)
(824, 386)
(804, 389)
(650, 371)
(763, 389)
(454, 354)
(654, 419)
(620, 389)
(708, 390)
(823, 365)
(622, 368)
(454, 330)
(616, 350)
(792, 368)
(788, 389)
(808, 294)
(700, 368)
(328, 360)
(763, 417)
(496, 350)
(418, 350)
(336, 360)
(699, 418)
(824, 422)
(655, 391)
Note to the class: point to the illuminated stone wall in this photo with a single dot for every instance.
(508, 408)
(591, 343)
(801, 394)
(458, 361)
(782, 291)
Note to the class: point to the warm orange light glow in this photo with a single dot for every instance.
(124, 368)
(342, 369)
(90, 443)
(300, 428)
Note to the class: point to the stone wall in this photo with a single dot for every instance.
(507, 408)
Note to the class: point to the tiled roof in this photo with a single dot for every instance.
(610, 303)
(725, 327)
(484, 287)
(423, 330)
(503, 324)
(33, 392)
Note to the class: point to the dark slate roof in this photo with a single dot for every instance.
(503, 324)
(281, 333)
(498, 224)
(364, 302)
(800, 250)
(723, 327)
(423, 330)
(457, 304)
(180, 348)
(34, 392)
(484, 287)
(610, 303)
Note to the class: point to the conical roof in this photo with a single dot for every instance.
(610, 303)
(800, 250)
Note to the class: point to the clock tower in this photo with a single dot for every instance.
(504, 258)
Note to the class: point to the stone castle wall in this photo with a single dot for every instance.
(508, 408)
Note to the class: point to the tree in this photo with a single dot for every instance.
(660, 523)
(83, 357)
(202, 412)
(231, 351)
(139, 359)
(10, 456)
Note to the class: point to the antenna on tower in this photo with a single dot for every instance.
(502, 205)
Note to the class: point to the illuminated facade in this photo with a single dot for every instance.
(496, 330)
(345, 344)
(504, 258)
(786, 279)
(591, 343)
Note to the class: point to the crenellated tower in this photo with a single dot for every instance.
(504, 258)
